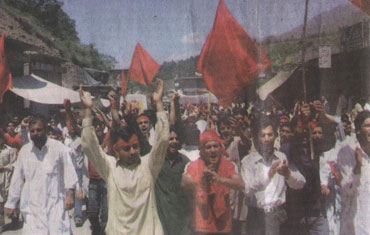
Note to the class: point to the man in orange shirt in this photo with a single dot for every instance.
(210, 178)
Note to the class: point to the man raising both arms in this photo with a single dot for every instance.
(130, 178)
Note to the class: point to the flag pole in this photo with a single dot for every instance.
(209, 111)
(303, 65)
(304, 52)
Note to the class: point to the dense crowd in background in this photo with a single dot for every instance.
(251, 168)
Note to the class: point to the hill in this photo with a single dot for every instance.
(328, 22)
(48, 29)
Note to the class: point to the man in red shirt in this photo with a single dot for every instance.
(12, 138)
(210, 178)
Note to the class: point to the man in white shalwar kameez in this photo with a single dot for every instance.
(43, 180)
(354, 166)
(130, 178)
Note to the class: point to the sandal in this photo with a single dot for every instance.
(78, 222)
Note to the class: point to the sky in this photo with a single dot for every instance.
(176, 29)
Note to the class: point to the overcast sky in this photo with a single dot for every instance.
(176, 29)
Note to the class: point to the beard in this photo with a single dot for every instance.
(266, 148)
(318, 146)
(38, 140)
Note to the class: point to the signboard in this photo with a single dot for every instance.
(139, 101)
(324, 57)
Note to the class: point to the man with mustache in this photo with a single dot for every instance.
(266, 174)
(173, 203)
(210, 178)
(130, 178)
(43, 181)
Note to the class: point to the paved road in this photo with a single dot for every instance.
(84, 230)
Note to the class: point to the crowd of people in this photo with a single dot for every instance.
(189, 169)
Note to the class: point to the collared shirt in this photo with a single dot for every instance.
(268, 192)
(355, 192)
(8, 157)
(131, 199)
(40, 180)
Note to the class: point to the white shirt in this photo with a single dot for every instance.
(201, 125)
(326, 178)
(40, 180)
(355, 216)
(191, 152)
(269, 193)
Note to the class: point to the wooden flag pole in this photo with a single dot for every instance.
(303, 64)
(209, 111)
(304, 52)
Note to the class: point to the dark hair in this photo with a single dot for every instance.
(225, 120)
(36, 119)
(56, 132)
(345, 118)
(96, 121)
(287, 124)
(177, 131)
(150, 114)
(124, 133)
(190, 135)
(360, 119)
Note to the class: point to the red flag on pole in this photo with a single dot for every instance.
(143, 67)
(364, 5)
(123, 83)
(5, 75)
(229, 59)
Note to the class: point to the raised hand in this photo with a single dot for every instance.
(318, 106)
(158, 94)
(305, 110)
(175, 97)
(25, 122)
(113, 98)
(86, 99)
(67, 104)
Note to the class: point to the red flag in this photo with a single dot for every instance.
(123, 83)
(364, 5)
(143, 67)
(5, 75)
(229, 59)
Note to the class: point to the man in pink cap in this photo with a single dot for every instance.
(210, 178)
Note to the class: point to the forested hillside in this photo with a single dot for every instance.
(47, 21)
